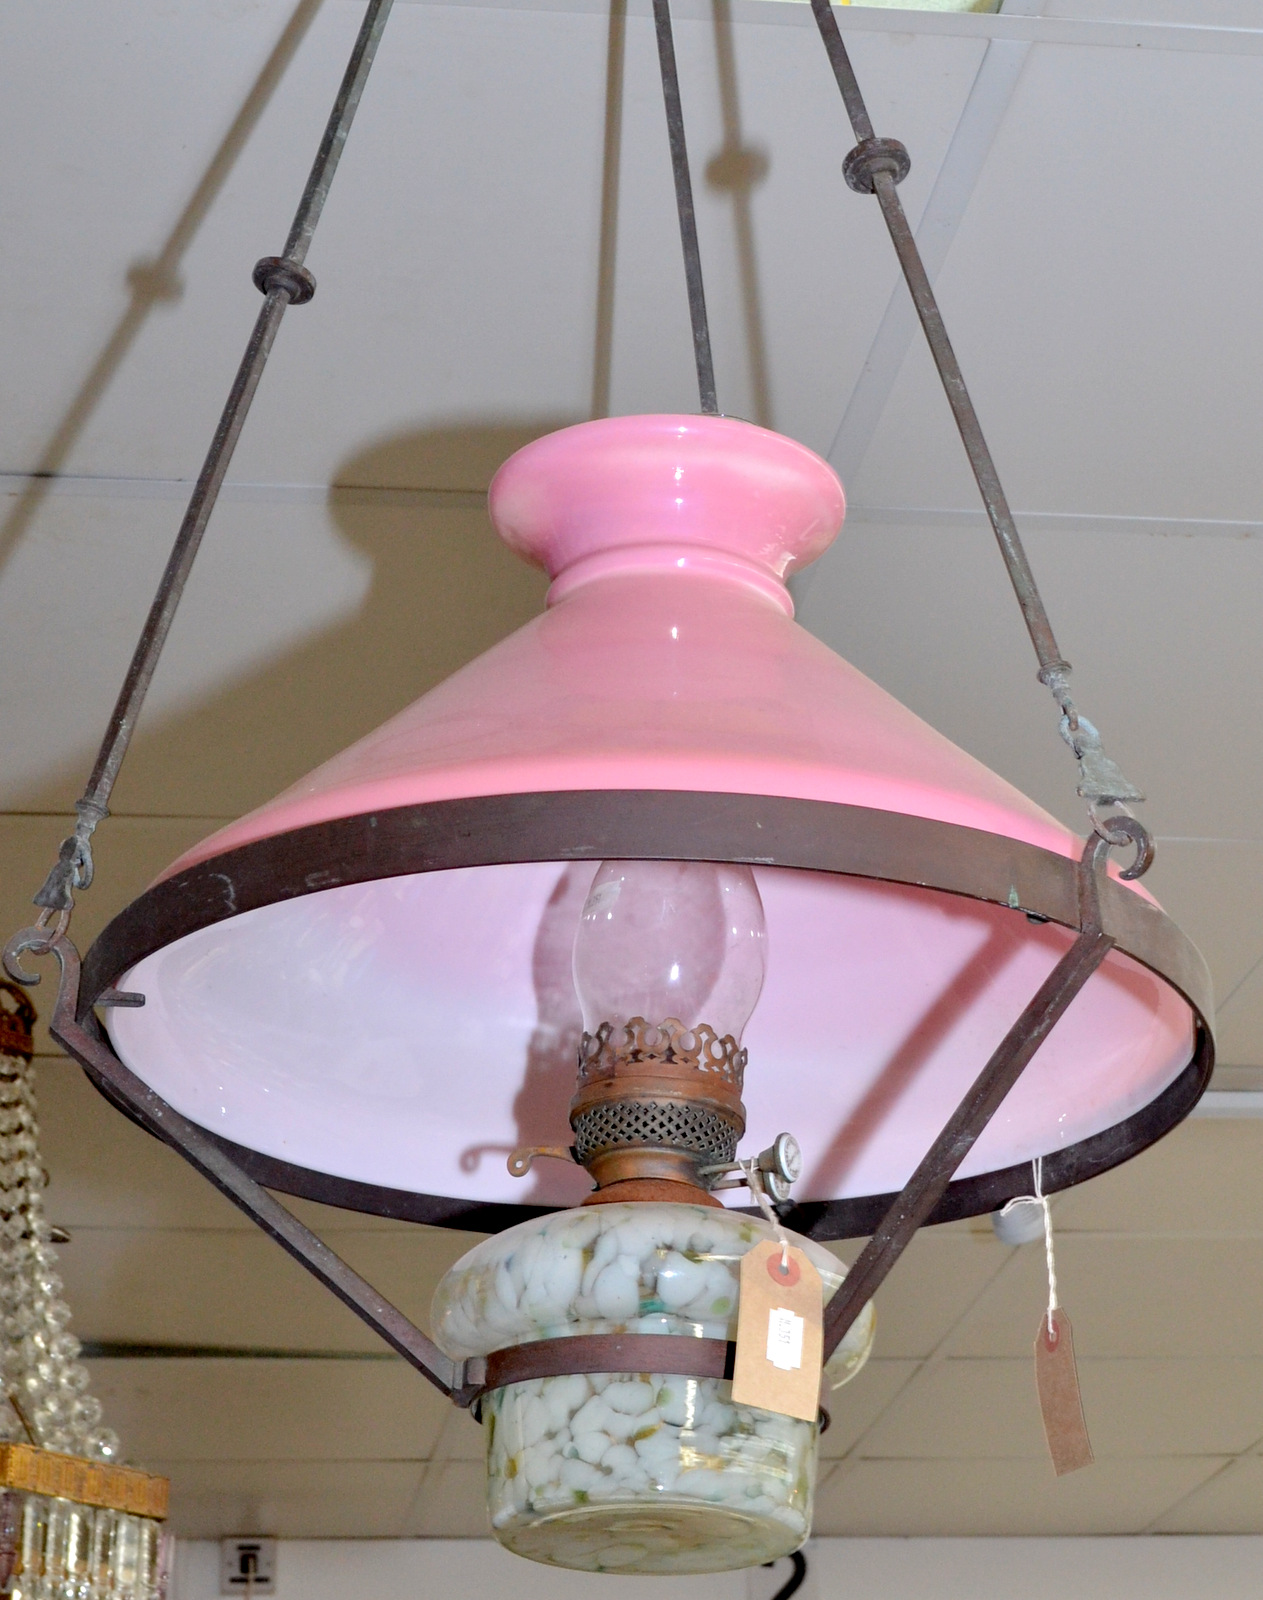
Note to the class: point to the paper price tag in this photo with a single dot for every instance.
(1057, 1378)
(779, 1339)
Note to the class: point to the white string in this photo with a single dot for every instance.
(1048, 1245)
(754, 1178)
(1037, 1167)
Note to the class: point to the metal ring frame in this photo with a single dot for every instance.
(672, 825)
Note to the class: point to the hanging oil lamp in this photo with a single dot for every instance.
(656, 875)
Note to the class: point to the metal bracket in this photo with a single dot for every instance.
(925, 1188)
(89, 1048)
(872, 156)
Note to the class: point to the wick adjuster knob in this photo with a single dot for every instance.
(779, 1167)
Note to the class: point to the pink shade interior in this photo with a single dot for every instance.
(411, 1032)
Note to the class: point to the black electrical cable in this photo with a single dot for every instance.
(796, 1579)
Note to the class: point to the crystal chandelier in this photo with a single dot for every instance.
(74, 1523)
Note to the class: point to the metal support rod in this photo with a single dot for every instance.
(878, 165)
(925, 1188)
(127, 1090)
(175, 575)
(976, 448)
(284, 281)
(684, 209)
(232, 420)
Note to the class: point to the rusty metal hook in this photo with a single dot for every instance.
(1119, 829)
(37, 940)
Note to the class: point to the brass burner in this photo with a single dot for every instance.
(669, 1043)
(655, 1104)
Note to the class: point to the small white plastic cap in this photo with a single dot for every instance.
(1021, 1221)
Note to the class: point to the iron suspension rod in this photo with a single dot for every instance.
(284, 281)
(976, 447)
(684, 208)
(180, 562)
(877, 166)
(336, 131)
(232, 420)
(926, 1186)
(970, 429)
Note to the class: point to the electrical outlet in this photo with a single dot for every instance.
(247, 1565)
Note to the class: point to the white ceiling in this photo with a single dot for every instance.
(498, 257)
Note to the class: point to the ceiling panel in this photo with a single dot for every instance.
(1161, 632)
(1188, 1407)
(1105, 326)
(1130, 1296)
(1240, 1025)
(186, 1287)
(911, 1498)
(1205, 1178)
(304, 626)
(292, 1499)
(989, 1409)
(979, 1409)
(856, 1406)
(458, 258)
(1227, 1503)
(451, 1503)
(940, 1276)
(190, 1410)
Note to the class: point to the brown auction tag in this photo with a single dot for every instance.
(779, 1339)
(1057, 1379)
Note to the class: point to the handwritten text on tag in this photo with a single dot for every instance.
(785, 1338)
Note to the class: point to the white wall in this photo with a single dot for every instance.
(1164, 1568)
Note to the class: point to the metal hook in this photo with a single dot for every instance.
(1119, 828)
(38, 941)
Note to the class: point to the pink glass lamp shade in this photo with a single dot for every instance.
(367, 982)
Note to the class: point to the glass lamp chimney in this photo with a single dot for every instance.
(671, 939)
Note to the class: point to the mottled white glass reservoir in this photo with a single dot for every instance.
(641, 1472)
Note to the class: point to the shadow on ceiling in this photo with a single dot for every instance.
(443, 589)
